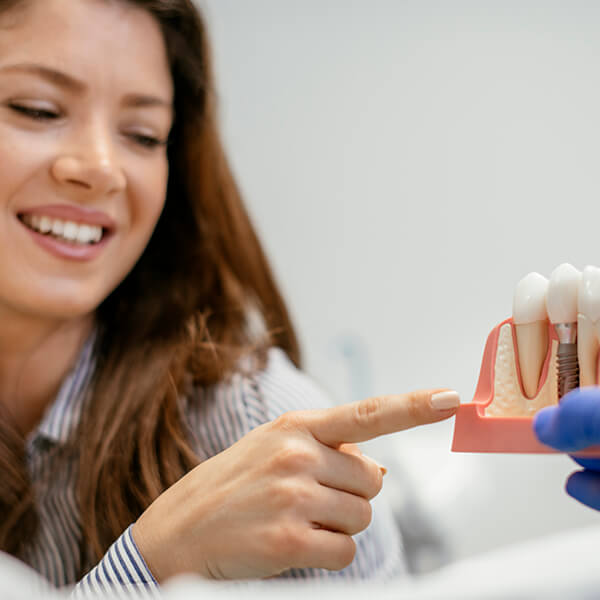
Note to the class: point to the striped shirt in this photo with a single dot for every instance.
(217, 417)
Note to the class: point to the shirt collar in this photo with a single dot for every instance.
(62, 416)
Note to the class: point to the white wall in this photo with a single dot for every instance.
(406, 163)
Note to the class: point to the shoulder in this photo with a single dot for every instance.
(221, 414)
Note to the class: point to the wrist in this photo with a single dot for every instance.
(148, 546)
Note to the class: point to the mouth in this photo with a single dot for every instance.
(69, 232)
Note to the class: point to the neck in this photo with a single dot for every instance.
(35, 356)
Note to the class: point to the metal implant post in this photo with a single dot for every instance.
(566, 358)
(562, 306)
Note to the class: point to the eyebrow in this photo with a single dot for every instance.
(141, 100)
(52, 75)
(74, 85)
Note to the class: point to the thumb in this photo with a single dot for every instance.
(572, 425)
(370, 418)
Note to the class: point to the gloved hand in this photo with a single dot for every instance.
(571, 426)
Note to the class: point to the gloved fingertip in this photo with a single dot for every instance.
(542, 424)
(571, 484)
(584, 486)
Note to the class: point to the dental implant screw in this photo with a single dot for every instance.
(567, 368)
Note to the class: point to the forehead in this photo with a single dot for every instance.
(104, 42)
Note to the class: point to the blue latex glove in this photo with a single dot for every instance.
(573, 425)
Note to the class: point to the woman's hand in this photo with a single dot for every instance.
(291, 493)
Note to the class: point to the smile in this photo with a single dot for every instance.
(66, 231)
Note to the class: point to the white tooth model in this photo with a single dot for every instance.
(514, 396)
(531, 329)
(588, 326)
(563, 289)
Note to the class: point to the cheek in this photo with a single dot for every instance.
(20, 161)
(146, 199)
(149, 192)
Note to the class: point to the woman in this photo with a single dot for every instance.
(140, 434)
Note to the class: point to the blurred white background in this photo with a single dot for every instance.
(406, 163)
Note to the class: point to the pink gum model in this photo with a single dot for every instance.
(476, 432)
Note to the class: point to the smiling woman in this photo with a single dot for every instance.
(141, 433)
(82, 145)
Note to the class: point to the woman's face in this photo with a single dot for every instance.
(85, 108)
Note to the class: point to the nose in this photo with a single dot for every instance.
(89, 165)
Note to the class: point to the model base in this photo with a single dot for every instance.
(480, 426)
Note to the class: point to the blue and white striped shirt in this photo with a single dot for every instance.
(217, 416)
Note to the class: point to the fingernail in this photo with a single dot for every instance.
(445, 400)
(381, 467)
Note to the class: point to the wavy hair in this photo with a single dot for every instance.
(180, 315)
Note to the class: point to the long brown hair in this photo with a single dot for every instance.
(181, 313)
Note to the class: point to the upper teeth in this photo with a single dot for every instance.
(74, 232)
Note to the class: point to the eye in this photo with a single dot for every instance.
(147, 141)
(35, 113)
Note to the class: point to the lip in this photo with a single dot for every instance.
(67, 250)
(68, 212)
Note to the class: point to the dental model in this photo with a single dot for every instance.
(532, 359)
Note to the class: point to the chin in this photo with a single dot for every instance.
(59, 305)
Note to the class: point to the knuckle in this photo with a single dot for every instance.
(368, 411)
(289, 542)
(289, 421)
(284, 493)
(292, 494)
(295, 456)
(414, 408)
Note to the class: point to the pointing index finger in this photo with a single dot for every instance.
(380, 415)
